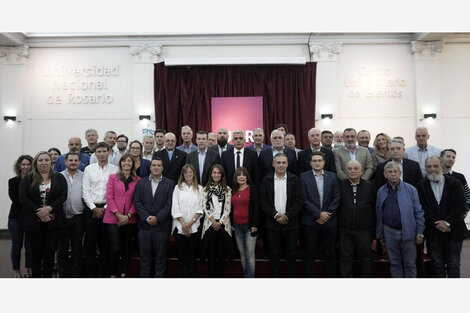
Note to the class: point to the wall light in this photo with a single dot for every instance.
(144, 117)
(330, 116)
(9, 118)
(430, 115)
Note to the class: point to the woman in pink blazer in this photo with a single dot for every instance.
(120, 214)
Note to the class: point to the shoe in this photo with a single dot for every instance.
(18, 275)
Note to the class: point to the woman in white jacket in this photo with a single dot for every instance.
(186, 209)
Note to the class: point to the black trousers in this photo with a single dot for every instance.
(186, 248)
(153, 240)
(43, 247)
(70, 236)
(120, 241)
(215, 242)
(96, 235)
(282, 242)
(351, 242)
(313, 236)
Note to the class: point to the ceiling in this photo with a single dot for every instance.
(36, 39)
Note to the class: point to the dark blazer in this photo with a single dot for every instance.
(144, 169)
(30, 199)
(250, 162)
(359, 214)
(172, 168)
(311, 207)
(253, 208)
(158, 205)
(252, 147)
(451, 208)
(14, 194)
(212, 158)
(265, 161)
(295, 199)
(304, 160)
(411, 173)
(215, 148)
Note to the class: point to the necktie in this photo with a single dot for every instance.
(238, 159)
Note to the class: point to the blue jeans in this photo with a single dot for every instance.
(246, 245)
(445, 257)
(401, 253)
(17, 235)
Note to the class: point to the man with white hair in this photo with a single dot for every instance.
(314, 137)
(187, 136)
(258, 141)
(148, 143)
(363, 139)
(91, 136)
(444, 204)
(277, 146)
(421, 151)
(212, 140)
(173, 159)
(338, 139)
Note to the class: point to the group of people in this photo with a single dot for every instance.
(337, 194)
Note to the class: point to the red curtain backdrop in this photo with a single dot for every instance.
(183, 95)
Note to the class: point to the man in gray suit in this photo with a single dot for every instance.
(203, 158)
(352, 151)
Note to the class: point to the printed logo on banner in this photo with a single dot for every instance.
(237, 113)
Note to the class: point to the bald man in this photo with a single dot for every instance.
(173, 159)
(222, 142)
(75, 144)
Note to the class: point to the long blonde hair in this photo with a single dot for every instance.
(181, 179)
(37, 178)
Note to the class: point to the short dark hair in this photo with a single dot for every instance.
(72, 153)
(102, 144)
(445, 150)
(349, 129)
(326, 132)
(122, 135)
(317, 153)
(159, 131)
(281, 125)
(289, 133)
(156, 158)
(202, 132)
(54, 149)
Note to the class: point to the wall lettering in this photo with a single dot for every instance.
(374, 83)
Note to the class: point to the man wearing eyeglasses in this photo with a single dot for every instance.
(318, 216)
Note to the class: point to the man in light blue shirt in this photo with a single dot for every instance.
(421, 151)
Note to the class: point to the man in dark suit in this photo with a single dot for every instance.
(411, 172)
(152, 199)
(265, 158)
(314, 136)
(173, 159)
(444, 205)
(238, 156)
(258, 139)
(281, 199)
(203, 158)
(318, 216)
(222, 142)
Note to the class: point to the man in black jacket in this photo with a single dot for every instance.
(282, 199)
(444, 205)
(356, 218)
(314, 137)
(173, 159)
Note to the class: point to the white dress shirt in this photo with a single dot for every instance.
(95, 180)
(242, 151)
(187, 203)
(280, 193)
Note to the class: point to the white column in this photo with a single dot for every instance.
(145, 56)
(12, 82)
(428, 95)
(326, 56)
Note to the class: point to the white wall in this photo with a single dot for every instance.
(25, 88)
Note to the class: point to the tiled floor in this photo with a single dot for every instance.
(5, 263)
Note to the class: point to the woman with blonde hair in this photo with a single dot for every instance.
(186, 210)
(381, 153)
(217, 229)
(42, 194)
